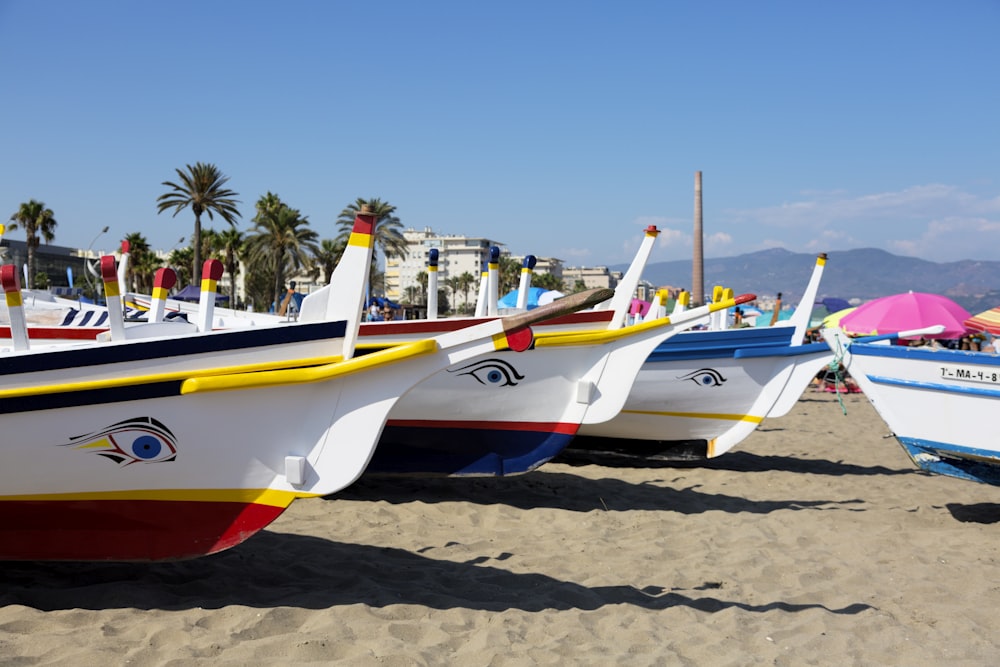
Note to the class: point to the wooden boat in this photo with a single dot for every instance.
(701, 393)
(505, 414)
(179, 446)
(937, 402)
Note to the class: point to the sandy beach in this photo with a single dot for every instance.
(815, 542)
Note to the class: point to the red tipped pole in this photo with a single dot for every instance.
(211, 272)
(112, 294)
(12, 291)
(163, 282)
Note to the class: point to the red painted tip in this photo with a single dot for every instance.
(212, 269)
(9, 278)
(652, 230)
(125, 246)
(165, 278)
(109, 272)
(521, 339)
(364, 223)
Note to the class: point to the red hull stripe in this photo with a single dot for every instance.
(540, 427)
(126, 530)
(431, 327)
(57, 333)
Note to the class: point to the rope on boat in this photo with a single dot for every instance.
(838, 377)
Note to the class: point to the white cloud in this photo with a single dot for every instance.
(952, 238)
(934, 221)
(574, 253)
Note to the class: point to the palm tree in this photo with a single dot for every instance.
(138, 262)
(509, 277)
(230, 242)
(547, 281)
(36, 219)
(454, 284)
(201, 188)
(181, 261)
(465, 283)
(328, 256)
(423, 279)
(281, 240)
(144, 270)
(388, 237)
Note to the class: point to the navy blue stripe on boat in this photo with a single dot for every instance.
(98, 355)
(71, 399)
(86, 318)
(935, 386)
(944, 356)
(783, 351)
(719, 344)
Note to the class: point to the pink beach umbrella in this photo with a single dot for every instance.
(639, 307)
(903, 312)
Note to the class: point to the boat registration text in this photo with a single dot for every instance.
(989, 376)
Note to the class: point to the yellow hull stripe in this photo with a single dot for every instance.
(272, 497)
(697, 415)
(159, 377)
(596, 336)
(601, 336)
(322, 373)
(359, 239)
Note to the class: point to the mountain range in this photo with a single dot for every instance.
(863, 274)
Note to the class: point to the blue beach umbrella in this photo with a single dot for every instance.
(509, 300)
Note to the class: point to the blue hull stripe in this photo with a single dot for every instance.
(100, 355)
(463, 451)
(924, 353)
(933, 386)
(952, 461)
(724, 344)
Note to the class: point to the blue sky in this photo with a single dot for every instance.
(557, 128)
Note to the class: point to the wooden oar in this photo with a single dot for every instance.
(518, 327)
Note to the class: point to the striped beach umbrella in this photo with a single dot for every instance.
(988, 321)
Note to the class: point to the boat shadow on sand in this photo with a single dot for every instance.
(739, 461)
(288, 570)
(564, 491)
(975, 513)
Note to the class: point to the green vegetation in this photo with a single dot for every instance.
(36, 220)
(280, 243)
(201, 188)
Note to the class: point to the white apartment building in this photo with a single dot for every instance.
(456, 255)
(597, 276)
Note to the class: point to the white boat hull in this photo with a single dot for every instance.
(938, 403)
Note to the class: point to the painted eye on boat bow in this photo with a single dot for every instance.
(139, 440)
(491, 372)
(705, 377)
